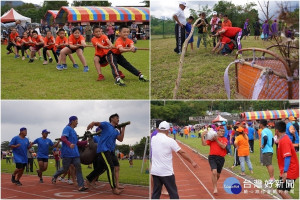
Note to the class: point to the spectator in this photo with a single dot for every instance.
(21, 27)
(214, 24)
(246, 29)
(251, 133)
(256, 27)
(202, 29)
(56, 154)
(88, 32)
(265, 31)
(110, 32)
(80, 28)
(188, 29)
(226, 22)
(274, 29)
(180, 27)
(66, 28)
(29, 165)
(292, 132)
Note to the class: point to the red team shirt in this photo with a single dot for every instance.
(226, 40)
(74, 41)
(215, 149)
(59, 41)
(286, 148)
(121, 43)
(231, 31)
(37, 40)
(27, 40)
(49, 41)
(102, 40)
(12, 37)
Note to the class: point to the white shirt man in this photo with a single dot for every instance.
(162, 164)
(180, 19)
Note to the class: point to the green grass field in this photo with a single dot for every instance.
(260, 172)
(23, 80)
(203, 72)
(127, 175)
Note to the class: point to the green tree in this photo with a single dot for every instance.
(5, 146)
(138, 148)
(124, 148)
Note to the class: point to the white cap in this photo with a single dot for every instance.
(164, 126)
(182, 3)
(214, 13)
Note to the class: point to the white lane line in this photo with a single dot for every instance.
(275, 197)
(43, 197)
(13, 197)
(196, 177)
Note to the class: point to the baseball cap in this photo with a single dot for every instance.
(72, 118)
(240, 129)
(292, 118)
(214, 13)
(45, 131)
(164, 126)
(249, 123)
(23, 129)
(182, 3)
(243, 122)
(223, 123)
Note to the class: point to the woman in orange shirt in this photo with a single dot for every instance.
(242, 144)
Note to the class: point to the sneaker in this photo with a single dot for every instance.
(142, 78)
(40, 58)
(45, 62)
(9, 52)
(13, 179)
(39, 173)
(18, 183)
(50, 60)
(70, 182)
(271, 180)
(100, 77)
(86, 69)
(59, 67)
(30, 60)
(75, 66)
(35, 58)
(60, 178)
(27, 56)
(64, 66)
(53, 180)
(41, 180)
(23, 58)
(120, 82)
(122, 76)
(17, 56)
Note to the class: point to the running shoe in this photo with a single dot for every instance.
(75, 66)
(120, 82)
(100, 77)
(142, 78)
(13, 179)
(59, 67)
(18, 183)
(50, 60)
(86, 69)
(17, 56)
(70, 182)
(41, 180)
(64, 66)
(31, 60)
(53, 180)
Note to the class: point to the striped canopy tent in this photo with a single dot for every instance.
(219, 118)
(102, 14)
(270, 114)
(50, 16)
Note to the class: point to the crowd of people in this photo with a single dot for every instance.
(225, 36)
(106, 159)
(221, 138)
(67, 40)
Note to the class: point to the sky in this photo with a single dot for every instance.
(54, 116)
(166, 9)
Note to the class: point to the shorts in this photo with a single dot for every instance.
(216, 162)
(73, 50)
(21, 165)
(42, 159)
(115, 160)
(58, 51)
(103, 62)
(287, 185)
(130, 157)
(267, 158)
(36, 48)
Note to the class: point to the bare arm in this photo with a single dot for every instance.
(187, 157)
(203, 139)
(121, 136)
(223, 146)
(92, 124)
(176, 19)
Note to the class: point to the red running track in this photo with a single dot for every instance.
(195, 183)
(33, 189)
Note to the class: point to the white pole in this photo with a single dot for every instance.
(145, 150)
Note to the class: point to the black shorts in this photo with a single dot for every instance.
(37, 47)
(103, 61)
(115, 159)
(216, 162)
(42, 159)
(21, 165)
(287, 185)
(74, 50)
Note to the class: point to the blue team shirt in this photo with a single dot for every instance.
(250, 133)
(66, 151)
(107, 139)
(20, 153)
(43, 147)
(226, 131)
(96, 138)
(268, 148)
(296, 141)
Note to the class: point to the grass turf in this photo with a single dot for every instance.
(260, 172)
(23, 80)
(203, 72)
(127, 175)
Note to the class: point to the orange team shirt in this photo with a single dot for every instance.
(59, 41)
(259, 136)
(121, 43)
(243, 145)
(102, 40)
(49, 41)
(231, 31)
(37, 40)
(227, 23)
(286, 148)
(19, 43)
(186, 131)
(12, 37)
(74, 41)
(226, 40)
(27, 40)
(215, 149)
